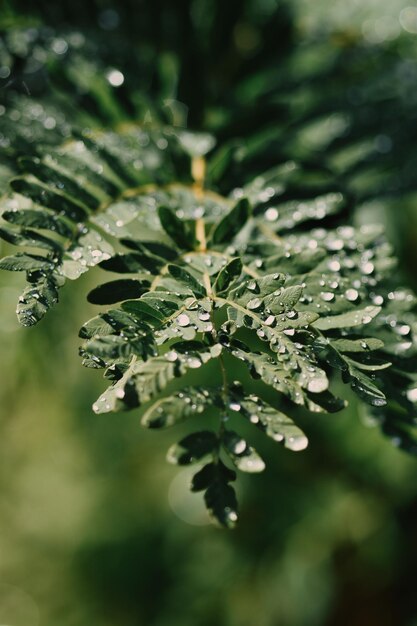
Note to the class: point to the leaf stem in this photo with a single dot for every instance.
(225, 390)
(198, 172)
(270, 233)
(200, 225)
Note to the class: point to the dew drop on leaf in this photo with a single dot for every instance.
(318, 385)
(368, 268)
(334, 266)
(327, 296)
(378, 300)
(240, 446)
(183, 319)
(254, 304)
(352, 295)
(271, 214)
(412, 394)
(297, 443)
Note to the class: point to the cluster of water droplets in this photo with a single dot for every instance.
(290, 214)
(274, 423)
(399, 319)
(187, 207)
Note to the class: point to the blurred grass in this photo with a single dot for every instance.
(89, 536)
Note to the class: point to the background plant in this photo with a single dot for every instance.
(240, 163)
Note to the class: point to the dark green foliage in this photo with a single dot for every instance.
(235, 256)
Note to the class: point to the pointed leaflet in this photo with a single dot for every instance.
(152, 248)
(132, 263)
(348, 320)
(31, 238)
(361, 382)
(231, 223)
(49, 197)
(357, 345)
(228, 275)
(288, 215)
(242, 454)
(177, 407)
(182, 276)
(193, 448)
(364, 387)
(40, 219)
(176, 228)
(208, 474)
(220, 499)
(144, 380)
(22, 262)
(283, 299)
(37, 298)
(273, 422)
(117, 290)
(294, 373)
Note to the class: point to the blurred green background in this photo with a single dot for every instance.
(95, 528)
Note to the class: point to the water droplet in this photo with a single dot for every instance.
(368, 268)
(403, 330)
(327, 296)
(297, 442)
(271, 214)
(239, 446)
(254, 304)
(115, 78)
(252, 464)
(352, 295)
(335, 244)
(193, 362)
(317, 385)
(183, 319)
(334, 265)
(412, 395)
(379, 402)
(171, 356)
(50, 123)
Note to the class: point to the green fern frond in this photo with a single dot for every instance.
(226, 270)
